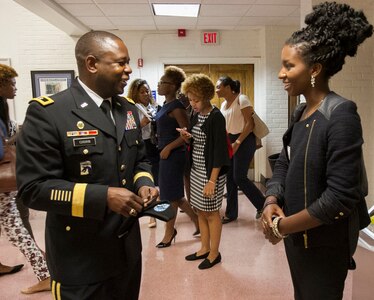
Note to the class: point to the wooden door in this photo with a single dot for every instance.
(242, 72)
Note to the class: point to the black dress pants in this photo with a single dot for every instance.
(125, 286)
(318, 273)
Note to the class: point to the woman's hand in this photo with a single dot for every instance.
(270, 211)
(209, 188)
(235, 147)
(185, 135)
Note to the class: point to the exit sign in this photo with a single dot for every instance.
(210, 37)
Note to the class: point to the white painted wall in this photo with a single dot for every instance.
(33, 44)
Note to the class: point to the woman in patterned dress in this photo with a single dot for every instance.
(209, 164)
(10, 219)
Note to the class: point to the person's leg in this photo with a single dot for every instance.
(204, 233)
(215, 230)
(123, 286)
(19, 236)
(231, 212)
(152, 222)
(318, 272)
(243, 157)
(187, 186)
(25, 215)
(170, 231)
(186, 207)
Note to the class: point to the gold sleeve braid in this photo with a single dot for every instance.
(143, 174)
(77, 205)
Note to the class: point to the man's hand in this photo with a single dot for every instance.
(123, 201)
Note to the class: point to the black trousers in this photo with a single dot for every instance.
(318, 273)
(125, 286)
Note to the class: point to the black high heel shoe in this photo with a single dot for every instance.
(165, 245)
(197, 232)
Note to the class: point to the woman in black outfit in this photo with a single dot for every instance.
(315, 200)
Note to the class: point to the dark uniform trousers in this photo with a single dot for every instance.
(68, 154)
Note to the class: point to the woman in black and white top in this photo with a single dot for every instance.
(209, 163)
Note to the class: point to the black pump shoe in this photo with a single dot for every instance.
(206, 264)
(165, 245)
(226, 220)
(194, 256)
(13, 270)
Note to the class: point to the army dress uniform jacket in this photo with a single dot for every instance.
(68, 154)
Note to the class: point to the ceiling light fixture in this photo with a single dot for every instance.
(176, 10)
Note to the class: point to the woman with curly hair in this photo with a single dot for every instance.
(315, 200)
(209, 163)
(172, 115)
(10, 219)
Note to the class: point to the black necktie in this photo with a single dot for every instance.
(106, 107)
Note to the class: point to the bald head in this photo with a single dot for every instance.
(94, 43)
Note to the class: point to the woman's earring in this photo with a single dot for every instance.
(312, 81)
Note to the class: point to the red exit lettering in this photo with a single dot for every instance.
(210, 37)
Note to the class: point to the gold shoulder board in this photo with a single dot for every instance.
(43, 100)
(130, 100)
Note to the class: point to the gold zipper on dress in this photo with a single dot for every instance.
(305, 235)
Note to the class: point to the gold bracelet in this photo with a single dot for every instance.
(238, 142)
(211, 181)
(275, 228)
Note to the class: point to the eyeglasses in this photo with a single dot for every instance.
(165, 82)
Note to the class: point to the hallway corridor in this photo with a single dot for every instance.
(251, 268)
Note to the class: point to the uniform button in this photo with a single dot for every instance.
(122, 167)
(85, 151)
(341, 213)
(123, 181)
(336, 217)
(137, 142)
(68, 228)
(119, 148)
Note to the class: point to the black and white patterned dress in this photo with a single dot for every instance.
(198, 173)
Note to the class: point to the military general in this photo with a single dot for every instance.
(80, 158)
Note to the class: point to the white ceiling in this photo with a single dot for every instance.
(137, 14)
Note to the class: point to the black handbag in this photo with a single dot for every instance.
(8, 168)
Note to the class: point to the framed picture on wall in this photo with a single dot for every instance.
(5, 61)
(46, 83)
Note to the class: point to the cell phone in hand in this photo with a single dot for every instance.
(184, 132)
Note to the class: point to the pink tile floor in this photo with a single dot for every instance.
(251, 267)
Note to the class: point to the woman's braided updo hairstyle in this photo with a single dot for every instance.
(333, 31)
